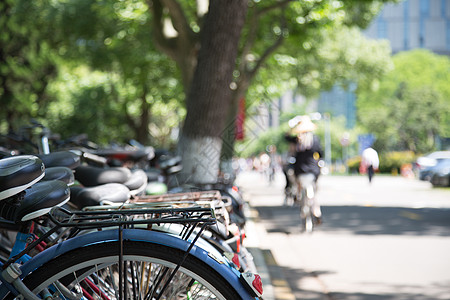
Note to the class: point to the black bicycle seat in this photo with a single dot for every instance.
(63, 174)
(17, 173)
(173, 170)
(67, 159)
(137, 182)
(170, 162)
(41, 198)
(93, 176)
(99, 195)
(127, 154)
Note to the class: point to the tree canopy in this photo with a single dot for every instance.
(27, 60)
(410, 107)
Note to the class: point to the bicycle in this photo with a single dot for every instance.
(112, 185)
(306, 196)
(105, 186)
(117, 259)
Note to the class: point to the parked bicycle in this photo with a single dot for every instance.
(106, 254)
(101, 184)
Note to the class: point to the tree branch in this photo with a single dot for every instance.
(281, 4)
(161, 41)
(277, 43)
(182, 48)
(178, 18)
(250, 40)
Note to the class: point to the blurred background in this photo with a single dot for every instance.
(370, 74)
(218, 82)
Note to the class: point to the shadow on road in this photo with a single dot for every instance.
(406, 292)
(361, 220)
(362, 296)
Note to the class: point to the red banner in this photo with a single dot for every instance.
(240, 120)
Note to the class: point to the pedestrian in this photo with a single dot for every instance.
(264, 159)
(287, 164)
(370, 162)
(273, 164)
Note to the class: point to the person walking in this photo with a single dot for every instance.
(370, 162)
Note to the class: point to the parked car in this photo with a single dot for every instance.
(424, 164)
(440, 173)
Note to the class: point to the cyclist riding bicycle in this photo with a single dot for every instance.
(307, 155)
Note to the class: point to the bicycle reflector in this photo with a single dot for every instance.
(234, 258)
(252, 282)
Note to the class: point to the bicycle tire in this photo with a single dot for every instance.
(97, 262)
(306, 217)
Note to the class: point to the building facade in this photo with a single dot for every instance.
(414, 24)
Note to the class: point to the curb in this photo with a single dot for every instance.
(280, 286)
(274, 283)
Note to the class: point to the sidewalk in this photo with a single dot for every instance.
(275, 285)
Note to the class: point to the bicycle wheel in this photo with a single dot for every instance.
(306, 216)
(94, 273)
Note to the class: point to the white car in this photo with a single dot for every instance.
(426, 162)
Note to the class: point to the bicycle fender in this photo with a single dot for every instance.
(218, 264)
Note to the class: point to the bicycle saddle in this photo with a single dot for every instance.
(99, 195)
(137, 182)
(127, 154)
(93, 176)
(63, 174)
(174, 169)
(17, 173)
(67, 159)
(35, 201)
(168, 163)
(41, 198)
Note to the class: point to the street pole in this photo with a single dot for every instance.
(345, 141)
(327, 141)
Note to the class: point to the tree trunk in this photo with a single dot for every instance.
(229, 137)
(210, 95)
(142, 132)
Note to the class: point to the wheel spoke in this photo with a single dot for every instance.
(97, 278)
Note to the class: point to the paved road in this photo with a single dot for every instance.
(387, 240)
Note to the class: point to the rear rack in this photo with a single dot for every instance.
(129, 217)
(221, 204)
(190, 218)
(188, 196)
(213, 200)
